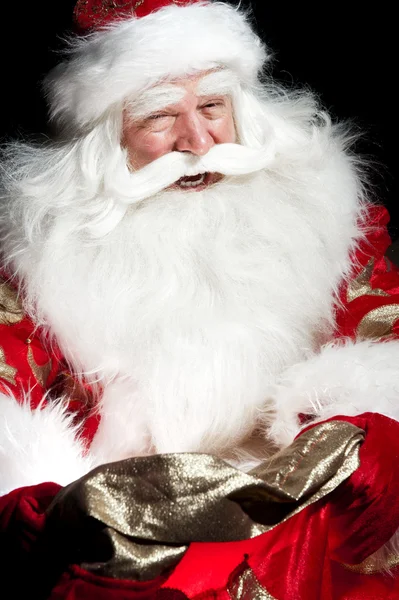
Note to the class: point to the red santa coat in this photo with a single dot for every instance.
(318, 549)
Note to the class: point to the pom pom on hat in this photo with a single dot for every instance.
(126, 46)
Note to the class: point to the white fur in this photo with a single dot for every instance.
(346, 378)
(38, 445)
(191, 304)
(110, 65)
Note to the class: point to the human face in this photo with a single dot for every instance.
(194, 122)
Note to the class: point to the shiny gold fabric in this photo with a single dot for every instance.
(379, 563)
(10, 306)
(41, 372)
(135, 518)
(7, 372)
(245, 586)
(361, 285)
(379, 322)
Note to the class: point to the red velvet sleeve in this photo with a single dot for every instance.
(369, 301)
(34, 369)
(26, 367)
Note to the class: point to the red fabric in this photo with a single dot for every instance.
(32, 366)
(22, 527)
(371, 494)
(384, 277)
(301, 559)
(22, 517)
(22, 345)
(95, 14)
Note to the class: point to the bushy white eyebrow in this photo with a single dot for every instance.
(220, 82)
(154, 99)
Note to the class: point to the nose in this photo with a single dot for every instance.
(193, 136)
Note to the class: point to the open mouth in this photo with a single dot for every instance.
(197, 182)
(192, 182)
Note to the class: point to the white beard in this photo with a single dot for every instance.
(187, 311)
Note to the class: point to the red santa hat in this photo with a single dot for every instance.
(125, 46)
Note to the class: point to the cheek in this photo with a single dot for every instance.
(226, 131)
(144, 147)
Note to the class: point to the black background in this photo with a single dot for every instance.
(347, 55)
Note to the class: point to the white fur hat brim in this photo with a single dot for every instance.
(117, 62)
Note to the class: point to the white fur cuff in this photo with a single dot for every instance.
(37, 446)
(344, 379)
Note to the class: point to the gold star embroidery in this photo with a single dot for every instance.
(41, 372)
(6, 371)
(361, 285)
(378, 323)
(11, 310)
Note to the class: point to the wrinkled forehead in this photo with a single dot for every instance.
(221, 82)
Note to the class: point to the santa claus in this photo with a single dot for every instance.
(191, 266)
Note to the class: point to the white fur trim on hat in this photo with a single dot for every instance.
(109, 65)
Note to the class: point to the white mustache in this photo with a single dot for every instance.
(227, 159)
(122, 188)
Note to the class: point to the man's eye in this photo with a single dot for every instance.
(158, 121)
(213, 104)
